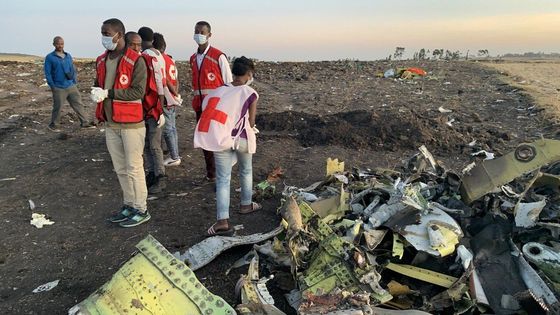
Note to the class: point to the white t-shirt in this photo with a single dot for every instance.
(222, 61)
(159, 68)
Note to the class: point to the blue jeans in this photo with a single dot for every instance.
(224, 160)
(170, 132)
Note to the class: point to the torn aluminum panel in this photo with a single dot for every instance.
(430, 230)
(527, 213)
(373, 238)
(544, 257)
(276, 251)
(537, 287)
(245, 260)
(490, 174)
(152, 282)
(204, 252)
(254, 296)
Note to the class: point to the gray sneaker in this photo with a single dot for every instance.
(121, 215)
(136, 219)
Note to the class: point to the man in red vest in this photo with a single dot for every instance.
(120, 84)
(210, 70)
(172, 100)
(153, 153)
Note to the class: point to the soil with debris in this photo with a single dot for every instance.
(307, 112)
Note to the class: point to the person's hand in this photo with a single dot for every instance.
(255, 130)
(98, 94)
(161, 121)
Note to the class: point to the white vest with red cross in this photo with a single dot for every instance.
(221, 115)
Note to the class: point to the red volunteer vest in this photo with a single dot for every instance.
(151, 104)
(170, 70)
(207, 78)
(123, 111)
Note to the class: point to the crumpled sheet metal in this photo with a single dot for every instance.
(152, 282)
(537, 287)
(428, 234)
(254, 295)
(204, 252)
(544, 257)
(527, 213)
(490, 174)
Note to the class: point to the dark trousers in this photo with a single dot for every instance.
(208, 157)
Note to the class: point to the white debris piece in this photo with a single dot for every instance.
(443, 110)
(46, 287)
(527, 214)
(31, 205)
(38, 220)
(487, 155)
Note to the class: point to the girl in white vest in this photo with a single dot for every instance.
(227, 127)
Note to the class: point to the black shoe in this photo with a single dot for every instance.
(159, 185)
(150, 179)
(53, 127)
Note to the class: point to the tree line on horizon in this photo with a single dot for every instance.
(446, 54)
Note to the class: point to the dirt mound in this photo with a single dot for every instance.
(362, 129)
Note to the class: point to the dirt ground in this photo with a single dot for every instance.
(307, 112)
(539, 78)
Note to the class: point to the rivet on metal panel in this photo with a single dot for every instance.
(187, 272)
(177, 280)
(196, 298)
(198, 285)
(202, 305)
(209, 311)
(219, 303)
(184, 286)
(191, 280)
(180, 266)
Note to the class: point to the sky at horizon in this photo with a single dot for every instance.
(292, 30)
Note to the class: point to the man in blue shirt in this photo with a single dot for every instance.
(61, 78)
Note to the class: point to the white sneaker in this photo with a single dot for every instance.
(171, 162)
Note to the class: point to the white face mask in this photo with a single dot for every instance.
(107, 42)
(200, 39)
(249, 81)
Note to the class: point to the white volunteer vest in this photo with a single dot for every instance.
(221, 114)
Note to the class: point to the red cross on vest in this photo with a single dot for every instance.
(211, 113)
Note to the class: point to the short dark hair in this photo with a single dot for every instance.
(116, 24)
(242, 65)
(159, 42)
(204, 23)
(146, 33)
(128, 36)
(56, 38)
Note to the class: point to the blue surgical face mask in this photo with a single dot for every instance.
(200, 39)
(107, 42)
